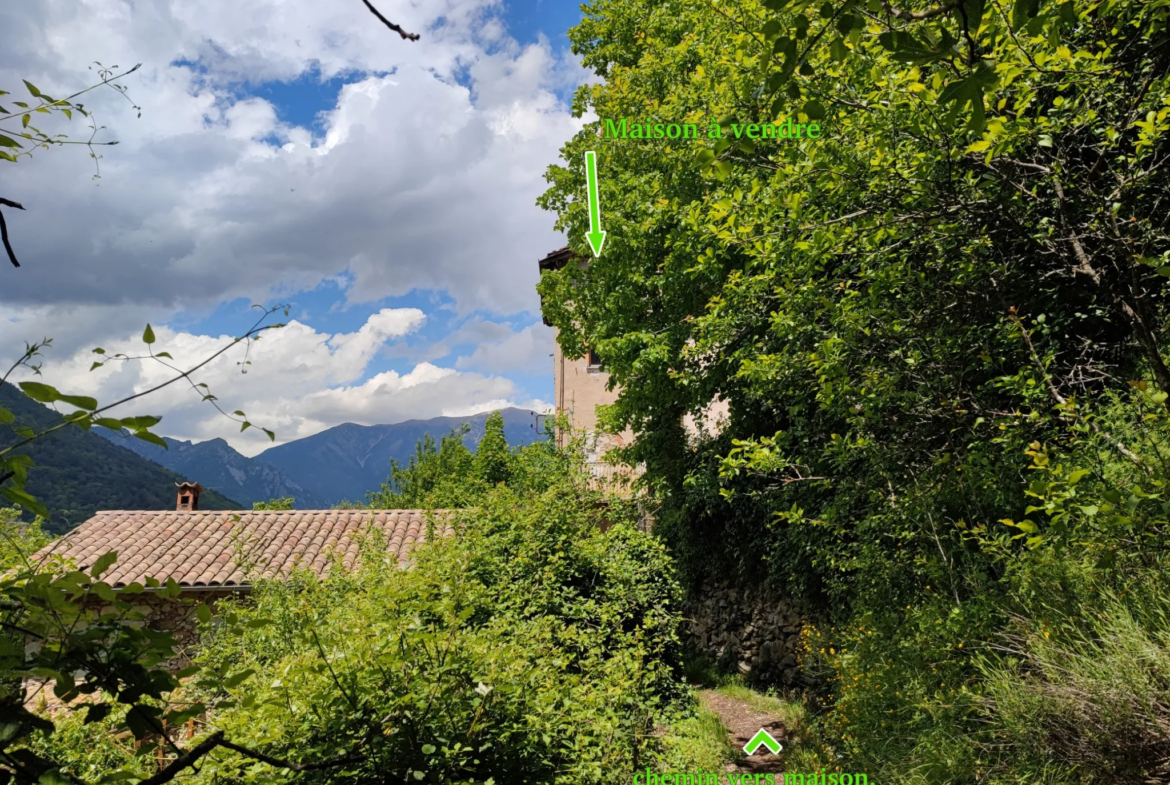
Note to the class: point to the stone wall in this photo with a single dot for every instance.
(177, 616)
(750, 630)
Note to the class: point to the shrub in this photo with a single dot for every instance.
(527, 646)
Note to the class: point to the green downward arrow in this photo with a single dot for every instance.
(596, 237)
(764, 738)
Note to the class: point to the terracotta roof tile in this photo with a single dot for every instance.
(200, 548)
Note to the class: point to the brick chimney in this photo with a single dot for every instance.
(188, 496)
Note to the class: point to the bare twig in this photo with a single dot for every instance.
(388, 23)
(4, 230)
(192, 756)
(255, 330)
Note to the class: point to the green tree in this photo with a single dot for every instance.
(493, 458)
(450, 476)
(874, 304)
(282, 503)
(968, 264)
(435, 476)
(532, 647)
(18, 538)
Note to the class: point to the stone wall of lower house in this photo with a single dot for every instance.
(750, 630)
(177, 616)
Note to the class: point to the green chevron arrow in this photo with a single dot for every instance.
(596, 237)
(765, 739)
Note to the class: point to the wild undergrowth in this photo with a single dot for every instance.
(528, 646)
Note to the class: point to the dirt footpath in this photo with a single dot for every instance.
(743, 721)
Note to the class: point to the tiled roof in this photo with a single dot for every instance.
(200, 549)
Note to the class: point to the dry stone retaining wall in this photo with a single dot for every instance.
(750, 630)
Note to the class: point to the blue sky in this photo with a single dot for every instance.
(301, 100)
(298, 152)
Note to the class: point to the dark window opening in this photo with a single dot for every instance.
(594, 360)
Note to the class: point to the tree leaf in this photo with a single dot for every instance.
(151, 438)
(80, 401)
(237, 679)
(142, 421)
(41, 393)
(102, 564)
(814, 110)
(148, 335)
(96, 712)
(973, 9)
(32, 89)
(1024, 11)
(6, 416)
(22, 499)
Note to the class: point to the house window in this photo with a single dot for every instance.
(594, 361)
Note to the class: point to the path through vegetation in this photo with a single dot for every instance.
(743, 717)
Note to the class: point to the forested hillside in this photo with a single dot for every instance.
(215, 464)
(78, 472)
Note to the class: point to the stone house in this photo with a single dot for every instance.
(214, 554)
(581, 385)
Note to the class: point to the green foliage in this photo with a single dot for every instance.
(965, 273)
(74, 473)
(88, 642)
(91, 750)
(18, 538)
(529, 646)
(435, 478)
(283, 503)
(450, 476)
(875, 304)
(493, 459)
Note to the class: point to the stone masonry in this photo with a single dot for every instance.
(750, 630)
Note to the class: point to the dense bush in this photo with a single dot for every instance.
(940, 343)
(527, 647)
(450, 476)
(1050, 668)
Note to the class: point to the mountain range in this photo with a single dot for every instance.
(78, 473)
(341, 463)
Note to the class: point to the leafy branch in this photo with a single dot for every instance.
(46, 104)
(13, 466)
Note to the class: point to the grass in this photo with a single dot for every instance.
(695, 742)
(804, 750)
